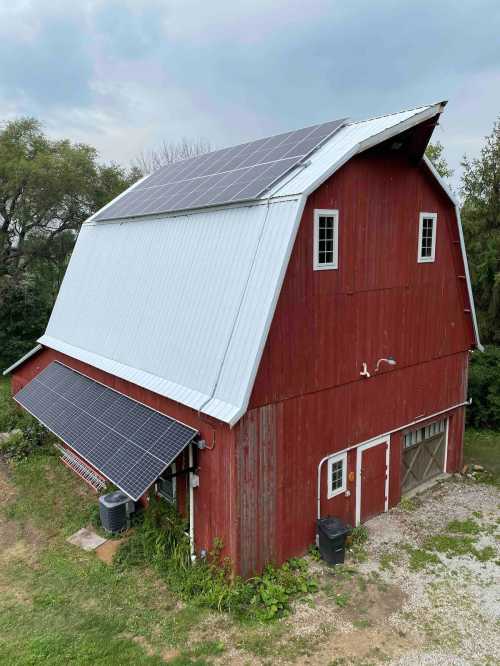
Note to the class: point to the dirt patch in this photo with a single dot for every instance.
(108, 550)
(16, 543)
(167, 654)
(7, 490)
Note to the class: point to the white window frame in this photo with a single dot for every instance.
(331, 461)
(333, 265)
(420, 258)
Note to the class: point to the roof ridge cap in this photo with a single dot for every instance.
(396, 113)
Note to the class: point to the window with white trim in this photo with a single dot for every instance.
(166, 484)
(414, 437)
(326, 239)
(337, 475)
(427, 237)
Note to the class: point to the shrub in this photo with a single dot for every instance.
(27, 437)
(159, 539)
(484, 389)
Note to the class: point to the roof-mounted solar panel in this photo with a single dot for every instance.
(239, 173)
(127, 442)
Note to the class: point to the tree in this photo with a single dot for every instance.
(481, 219)
(170, 151)
(434, 152)
(47, 189)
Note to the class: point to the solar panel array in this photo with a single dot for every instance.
(126, 441)
(232, 174)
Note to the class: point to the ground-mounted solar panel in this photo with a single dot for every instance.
(128, 442)
(238, 173)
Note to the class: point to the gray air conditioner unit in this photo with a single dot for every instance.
(115, 509)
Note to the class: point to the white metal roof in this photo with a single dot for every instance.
(182, 303)
(179, 305)
(353, 138)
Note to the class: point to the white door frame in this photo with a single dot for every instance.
(385, 439)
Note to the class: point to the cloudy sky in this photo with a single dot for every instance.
(123, 75)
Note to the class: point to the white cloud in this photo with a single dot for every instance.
(124, 74)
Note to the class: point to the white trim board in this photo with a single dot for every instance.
(454, 201)
(377, 441)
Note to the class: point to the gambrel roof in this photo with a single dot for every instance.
(181, 302)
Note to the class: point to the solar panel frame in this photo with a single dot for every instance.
(99, 442)
(229, 175)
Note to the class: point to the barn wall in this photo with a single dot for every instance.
(278, 489)
(379, 302)
(214, 499)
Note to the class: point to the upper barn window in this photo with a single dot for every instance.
(326, 237)
(427, 237)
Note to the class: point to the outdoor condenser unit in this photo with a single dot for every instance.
(115, 509)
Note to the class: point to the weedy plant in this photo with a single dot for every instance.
(27, 437)
(408, 504)
(160, 539)
(357, 543)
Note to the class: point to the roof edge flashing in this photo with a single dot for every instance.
(437, 105)
(142, 378)
(374, 140)
(398, 128)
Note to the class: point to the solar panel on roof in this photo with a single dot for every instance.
(128, 442)
(238, 173)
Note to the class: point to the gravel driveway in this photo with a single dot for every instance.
(443, 554)
(423, 589)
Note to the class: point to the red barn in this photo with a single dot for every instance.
(285, 326)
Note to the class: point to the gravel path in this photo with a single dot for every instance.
(452, 607)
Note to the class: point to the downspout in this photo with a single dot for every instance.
(191, 504)
(355, 446)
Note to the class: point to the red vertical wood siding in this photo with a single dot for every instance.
(379, 302)
(215, 498)
(306, 428)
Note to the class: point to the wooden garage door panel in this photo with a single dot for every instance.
(423, 462)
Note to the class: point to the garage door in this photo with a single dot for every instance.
(423, 454)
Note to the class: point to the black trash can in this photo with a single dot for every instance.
(332, 534)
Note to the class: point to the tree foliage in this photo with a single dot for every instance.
(434, 152)
(47, 189)
(484, 389)
(481, 220)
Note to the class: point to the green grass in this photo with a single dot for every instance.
(388, 559)
(51, 497)
(482, 447)
(61, 605)
(421, 558)
(409, 504)
(468, 526)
